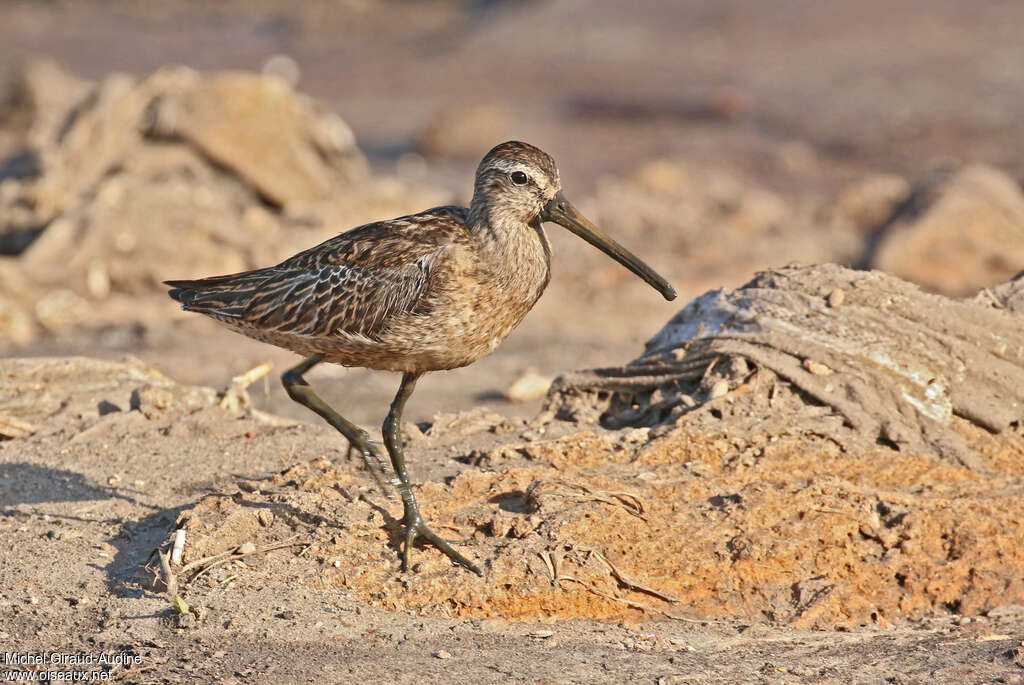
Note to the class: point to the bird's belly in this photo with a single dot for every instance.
(438, 343)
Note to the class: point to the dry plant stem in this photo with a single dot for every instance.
(630, 583)
(216, 560)
(252, 375)
(552, 560)
(169, 577)
(626, 500)
(628, 602)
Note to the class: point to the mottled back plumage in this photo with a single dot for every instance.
(428, 291)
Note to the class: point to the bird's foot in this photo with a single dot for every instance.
(416, 528)
(374, 464)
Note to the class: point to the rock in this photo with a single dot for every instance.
(11, 427)
(17, 325)
(43, 94)
(957, 233)
(529, 386)
(1009, 295)
(869, 203)
(178, 175)
(60, 309)
(286, 146)
(464, 132)
(154, 400)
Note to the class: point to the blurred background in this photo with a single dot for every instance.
(147, 141)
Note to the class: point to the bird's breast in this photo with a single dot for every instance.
(478, 294)
(495, 291)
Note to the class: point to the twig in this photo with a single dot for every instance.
(630, 583)
(169, 578)
(546, 558)
(179, 546)
(234, 398)
(630, 603)
(221, 559)
(199, 562)
(252, 375)
(628, 501)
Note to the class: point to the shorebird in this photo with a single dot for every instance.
(425, 292)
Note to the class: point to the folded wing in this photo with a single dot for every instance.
(353, 284)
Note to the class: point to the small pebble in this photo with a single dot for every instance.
(247, 548)
(719, 389)
(529, 386)
(441, 654)
(494, 625)
(836, 297)
(817, 368)
(542, 633)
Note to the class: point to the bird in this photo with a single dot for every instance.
(425, 292)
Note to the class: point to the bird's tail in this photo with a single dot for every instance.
(222, 297)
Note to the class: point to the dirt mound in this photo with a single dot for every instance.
(66, 395)
(175, 175)
(692, 523)
(870, 353)
(749, 499)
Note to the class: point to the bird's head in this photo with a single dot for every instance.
(516, 181)
(519, 183)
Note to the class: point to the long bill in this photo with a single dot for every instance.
(561, 211)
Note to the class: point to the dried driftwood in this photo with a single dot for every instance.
(895, 363)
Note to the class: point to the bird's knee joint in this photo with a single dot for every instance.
(290, 379)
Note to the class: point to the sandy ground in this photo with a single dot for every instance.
(826, 95)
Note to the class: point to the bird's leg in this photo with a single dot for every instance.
(415, 527)
(299, 390)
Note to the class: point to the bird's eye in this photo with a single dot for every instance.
(519, 178)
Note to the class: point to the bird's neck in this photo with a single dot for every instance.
(516, 251)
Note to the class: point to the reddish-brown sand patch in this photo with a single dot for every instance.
(689, 524)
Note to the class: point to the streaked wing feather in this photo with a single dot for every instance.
(351, 284)
(338, 299)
